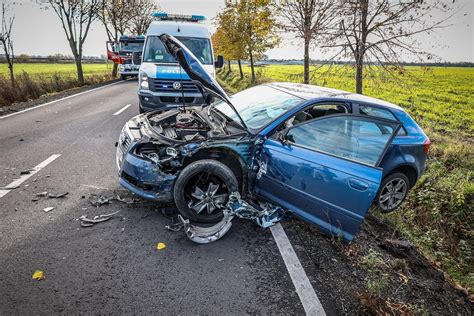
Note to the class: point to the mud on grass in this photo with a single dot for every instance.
(379, 272)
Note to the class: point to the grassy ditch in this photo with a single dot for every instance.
(438, 215)
(36, 80)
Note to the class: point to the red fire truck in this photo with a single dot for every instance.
(121, 52)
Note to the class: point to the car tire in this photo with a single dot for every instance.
(392, 192)
(191, 183)
(123, 77)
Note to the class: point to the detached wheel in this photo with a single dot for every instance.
(393, 191)
(202, 189)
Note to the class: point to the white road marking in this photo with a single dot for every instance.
(58, 100)
(306, 293)
(15, 184)
(122, 109)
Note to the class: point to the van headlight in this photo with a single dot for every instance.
(143, 81)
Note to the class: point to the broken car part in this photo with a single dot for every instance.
(88, 222)
(265, 217)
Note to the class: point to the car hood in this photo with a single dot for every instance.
(196, 71)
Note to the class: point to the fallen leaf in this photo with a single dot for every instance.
(38, 275)
(160, 246)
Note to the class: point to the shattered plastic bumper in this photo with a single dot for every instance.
(144, 177)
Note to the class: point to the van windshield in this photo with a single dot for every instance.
(155, 51)
(131, 46)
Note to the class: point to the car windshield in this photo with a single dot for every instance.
(156, 52)
(258, 106)
(131, 46)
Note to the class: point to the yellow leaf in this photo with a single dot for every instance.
(160, 245)
(38, 275)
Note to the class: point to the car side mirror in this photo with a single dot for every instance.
(219, 63)
(137, 58)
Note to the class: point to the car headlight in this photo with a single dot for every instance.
(143, 81)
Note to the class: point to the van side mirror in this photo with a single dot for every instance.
(219, 63)
(137, 58)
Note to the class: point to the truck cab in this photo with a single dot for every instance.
(162, 82)
(121, 52)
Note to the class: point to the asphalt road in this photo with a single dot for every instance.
(113, 267)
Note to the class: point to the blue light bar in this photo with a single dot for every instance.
(163, 16)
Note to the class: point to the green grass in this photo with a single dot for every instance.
(47, 70)
(438, 216)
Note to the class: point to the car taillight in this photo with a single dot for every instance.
(426, 146)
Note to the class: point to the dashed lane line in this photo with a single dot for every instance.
(4, 191)
(306, 293)
(122, 109)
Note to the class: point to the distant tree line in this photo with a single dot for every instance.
(372, 35)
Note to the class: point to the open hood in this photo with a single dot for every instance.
(206, 84)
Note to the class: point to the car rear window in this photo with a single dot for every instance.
(382, 113)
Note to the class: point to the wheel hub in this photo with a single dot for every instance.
(392, 194)
(206, 198)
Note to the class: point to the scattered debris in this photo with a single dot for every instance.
(58, 195)
(38, 275)
(48, 209)
(100, 200)
(28, 171)
(21, 139)
(125, 200)
(160, 246)
(88, 222)
(265, 215)
(41, 194)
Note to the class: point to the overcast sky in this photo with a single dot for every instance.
(38, 31)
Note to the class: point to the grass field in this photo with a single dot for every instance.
(36, 80)
(438, 216)
(50, 69)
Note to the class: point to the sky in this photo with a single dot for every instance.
(37, 31)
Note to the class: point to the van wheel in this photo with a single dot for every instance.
(123, 77)
(393, 190)
(202, 190)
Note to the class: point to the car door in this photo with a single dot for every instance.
(326, 170)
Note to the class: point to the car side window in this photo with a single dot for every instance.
(382, 113)
(349, 137)
(312, 112)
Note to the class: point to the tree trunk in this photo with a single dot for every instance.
(80, 73)
(114, 70)
(228, 64)
(251, 65)
(359, 74)
(240, 69)
(306, 61)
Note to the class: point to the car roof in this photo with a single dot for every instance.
(178, 28)
(311, 92)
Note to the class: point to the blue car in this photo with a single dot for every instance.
(323, 154)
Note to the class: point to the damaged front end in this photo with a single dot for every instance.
(152, 147)
(264, 215)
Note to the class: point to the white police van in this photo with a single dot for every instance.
(162, 82)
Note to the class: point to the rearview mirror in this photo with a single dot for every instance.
(137, 58)
(219, 62)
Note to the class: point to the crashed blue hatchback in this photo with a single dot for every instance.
(315, 152)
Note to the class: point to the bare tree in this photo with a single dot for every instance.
(382, 32)
(76, 17)
(6, 41)
(116, 15)
(142, 16)
(308, 20)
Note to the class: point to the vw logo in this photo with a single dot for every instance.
(176, 85)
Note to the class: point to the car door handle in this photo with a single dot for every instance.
(358, 184)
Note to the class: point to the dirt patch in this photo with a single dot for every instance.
(378, 273)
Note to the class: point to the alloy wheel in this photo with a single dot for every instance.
(208, 194)
(392, 194)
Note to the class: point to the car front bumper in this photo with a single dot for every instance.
(150, 101)
(141, 176)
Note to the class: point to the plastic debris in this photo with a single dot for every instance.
(160, 246)
(28, 171)
(48, 209)
(125, 200)
(88, 222)
(10, 187)
(38, 275)
(58, 195)
(100, 200)
(42, 194)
